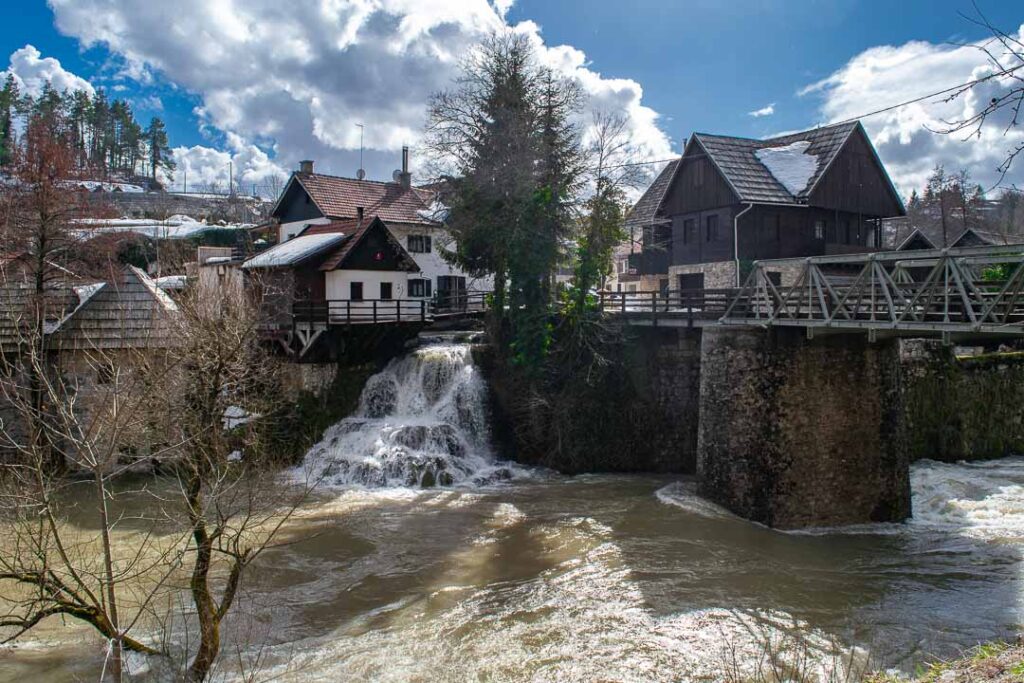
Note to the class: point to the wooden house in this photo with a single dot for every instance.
(342, 261)
(729, 201)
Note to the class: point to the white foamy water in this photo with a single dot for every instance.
(421, 422)
(982, 500)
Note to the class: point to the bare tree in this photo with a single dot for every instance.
(1003, 95)
(48, 566)
(225, 395)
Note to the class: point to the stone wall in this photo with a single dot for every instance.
(718, 275)
(961, 409)
(802, 433)
(637, 414)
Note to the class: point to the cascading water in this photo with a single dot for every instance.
(422, 421)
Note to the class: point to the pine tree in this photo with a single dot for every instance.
(9, 99)
(159, 157)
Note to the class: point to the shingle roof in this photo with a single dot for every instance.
(129, 312)
(339, 197)
(15, 296)
(737, 160)
(645, 211)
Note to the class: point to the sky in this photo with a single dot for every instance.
(263, 84)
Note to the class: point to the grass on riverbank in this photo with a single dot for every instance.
(989, 663)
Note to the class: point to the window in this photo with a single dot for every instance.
(711, 228)
(355, 291)
(385, 291)
(419, 288)
(419, 244)
(819, 230)
(689, 231)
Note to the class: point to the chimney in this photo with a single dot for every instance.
(306, 166)
(359, 215)
(405, 178)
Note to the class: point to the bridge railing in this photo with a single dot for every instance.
(457, 303)
(705, 304)
(978, 289)
(365, 312)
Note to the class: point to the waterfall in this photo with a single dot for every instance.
(421, 422)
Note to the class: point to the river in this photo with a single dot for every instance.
(509, 574)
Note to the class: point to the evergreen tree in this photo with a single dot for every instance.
(9, 99)
(505, 135)
(159, 149)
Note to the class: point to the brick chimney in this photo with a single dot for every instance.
(405, 178)
(306, 166)
(359, 215)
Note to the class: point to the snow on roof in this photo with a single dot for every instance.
(174, 282)
(159, 294)
(84, 293)
(791, 165)
(435, 212)
(294, 250)
(175, 227)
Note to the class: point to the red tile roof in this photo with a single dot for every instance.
(339, 197)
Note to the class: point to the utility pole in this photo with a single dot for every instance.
(231, 179)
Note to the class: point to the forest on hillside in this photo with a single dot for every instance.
(108, 142)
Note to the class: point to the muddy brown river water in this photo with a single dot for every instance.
(610, 578)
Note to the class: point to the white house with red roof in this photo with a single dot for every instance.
(314, 202)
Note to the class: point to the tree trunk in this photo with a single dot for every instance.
(206, 610)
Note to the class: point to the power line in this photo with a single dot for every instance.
(961, 86)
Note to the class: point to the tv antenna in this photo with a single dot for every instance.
(360, 174)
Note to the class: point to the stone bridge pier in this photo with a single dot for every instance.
(796, 432)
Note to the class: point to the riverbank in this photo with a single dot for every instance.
(990, 663)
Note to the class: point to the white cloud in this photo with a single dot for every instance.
(763, 111)
(887, 75)
(205, 168)
(302, 75)
(32, 71)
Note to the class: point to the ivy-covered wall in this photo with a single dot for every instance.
(961, 408)
(636, 413)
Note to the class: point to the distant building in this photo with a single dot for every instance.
(412, 215)
(730, 201)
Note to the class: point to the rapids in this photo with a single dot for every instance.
(422, 558)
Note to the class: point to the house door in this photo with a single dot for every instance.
(688, 283)
(355, 291)
(385, 291)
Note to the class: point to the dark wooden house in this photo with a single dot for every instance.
(730, 201)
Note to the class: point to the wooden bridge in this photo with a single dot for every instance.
(968, 292)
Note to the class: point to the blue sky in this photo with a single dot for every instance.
(701, 66)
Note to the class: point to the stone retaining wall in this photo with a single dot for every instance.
(961, 409)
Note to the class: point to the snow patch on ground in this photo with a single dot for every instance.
(791, 165)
